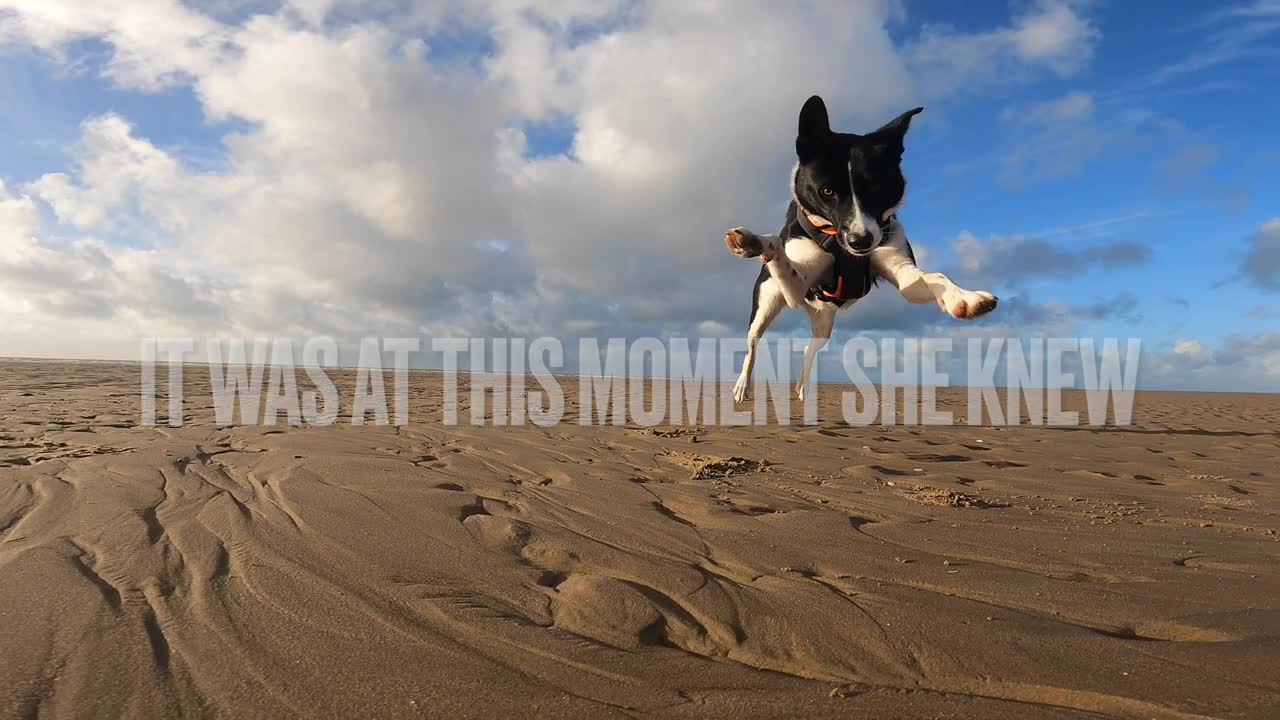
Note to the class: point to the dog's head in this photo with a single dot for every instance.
(851, 182)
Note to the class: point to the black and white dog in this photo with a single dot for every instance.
(841, 234)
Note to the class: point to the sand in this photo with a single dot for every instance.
(598, 572)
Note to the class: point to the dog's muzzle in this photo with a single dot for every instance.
(866, 241)
(859, 244)
(853, 243)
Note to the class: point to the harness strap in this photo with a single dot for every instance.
(839, 293)
(856, 267)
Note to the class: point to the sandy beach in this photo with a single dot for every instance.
(598, 572)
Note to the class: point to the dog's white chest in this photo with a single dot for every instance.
(811, 261)
(812, 264)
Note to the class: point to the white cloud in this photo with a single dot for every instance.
(1072, 107)
(18, 218)
(373, 183)
(1060, 136)
(113, 167)
(1055, 34)
(54, 291)
(1226, 35)
(156, 42)
(1017, 259)
(1261, 263)
(1050, 33)
(1240, 362)
(1193, 350)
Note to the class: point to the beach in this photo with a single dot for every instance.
(754, 571)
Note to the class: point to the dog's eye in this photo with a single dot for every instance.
(826, 191)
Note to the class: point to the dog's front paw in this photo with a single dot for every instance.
(744, 243)
(968, 304)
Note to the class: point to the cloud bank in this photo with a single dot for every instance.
(383, 168)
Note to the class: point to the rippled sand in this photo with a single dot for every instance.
(760, 571)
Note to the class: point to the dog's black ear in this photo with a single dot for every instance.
(814, 126)
(895, 130)
(813, 118)
(900, 124)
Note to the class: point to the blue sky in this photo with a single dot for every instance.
(1179, 152)
(1105, 167)
(1187, 163)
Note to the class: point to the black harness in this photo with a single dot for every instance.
(851, 275)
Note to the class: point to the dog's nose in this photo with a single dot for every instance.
(861, 241)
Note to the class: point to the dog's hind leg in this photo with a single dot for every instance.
(768, 303)
(894, 261)
(821, 319)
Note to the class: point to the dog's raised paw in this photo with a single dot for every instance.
(986, 303)
(743, 243)
(969, 304)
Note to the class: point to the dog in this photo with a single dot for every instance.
(840, 236)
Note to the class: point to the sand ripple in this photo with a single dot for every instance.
(827, 571)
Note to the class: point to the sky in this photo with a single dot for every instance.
(435, 168)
